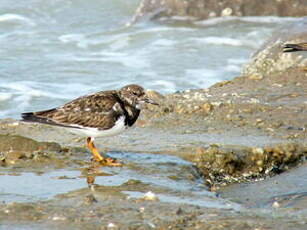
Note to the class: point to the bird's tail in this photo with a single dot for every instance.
(27, 116)
(30, 117)
(39, 117)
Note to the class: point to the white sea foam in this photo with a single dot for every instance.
(162, 29)
(119, 44)
(167, 85)
(16, 18)
(202, 78)
(178, 18)
(4, 113)
(233, 68)
(164, 42)
(135, 60)
(20, 95)
(267, 19)
(5, 96)
(20, 87)
(114, 42)
(78, 39)
(237, 61)
(66, 38)
(213, 21)
(226, 41)
(255, 19)
(31, 89)
(219, 41)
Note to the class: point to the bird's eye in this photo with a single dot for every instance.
(134, 93)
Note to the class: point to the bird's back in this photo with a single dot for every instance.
(94, 110)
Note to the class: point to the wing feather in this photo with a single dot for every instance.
(99, 110)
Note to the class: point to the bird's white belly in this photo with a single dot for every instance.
(118, 128)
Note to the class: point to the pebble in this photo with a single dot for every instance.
(258, 150)
(277, 85)
(217, 103)
(255, 76)
(275, 204)
(226, 12)
(112, 226)
(212, 14)
(13, 124)
(207, 107)
(254, 101)
(56, 218)
(142, 209)
(150, 196)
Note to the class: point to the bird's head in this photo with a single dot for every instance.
(135, 96)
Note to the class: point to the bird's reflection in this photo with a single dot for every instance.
(91, 172)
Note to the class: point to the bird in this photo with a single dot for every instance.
(295, 47)
(101, 114)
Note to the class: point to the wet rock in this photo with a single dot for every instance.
(204, 9)
(25, 212)
(285, 192)
(20, 143)
(14, 148)
(154, 95)
(25, 152)
(229, 164)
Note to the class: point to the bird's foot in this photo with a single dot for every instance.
(106, 161)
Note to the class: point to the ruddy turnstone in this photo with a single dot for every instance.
(102, 114)
(295, 47)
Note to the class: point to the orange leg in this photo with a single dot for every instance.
(97, 157)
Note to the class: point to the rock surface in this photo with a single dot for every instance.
(204, 9)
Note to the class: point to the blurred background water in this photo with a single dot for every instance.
(52, 51)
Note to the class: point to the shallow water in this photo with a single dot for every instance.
(169, 175)
(54, 51)
(26, 226)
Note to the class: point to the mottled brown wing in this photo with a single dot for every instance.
(96, 110)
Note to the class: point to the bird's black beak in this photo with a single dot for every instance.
(149, 101)
(289, 48)
(294, 47)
